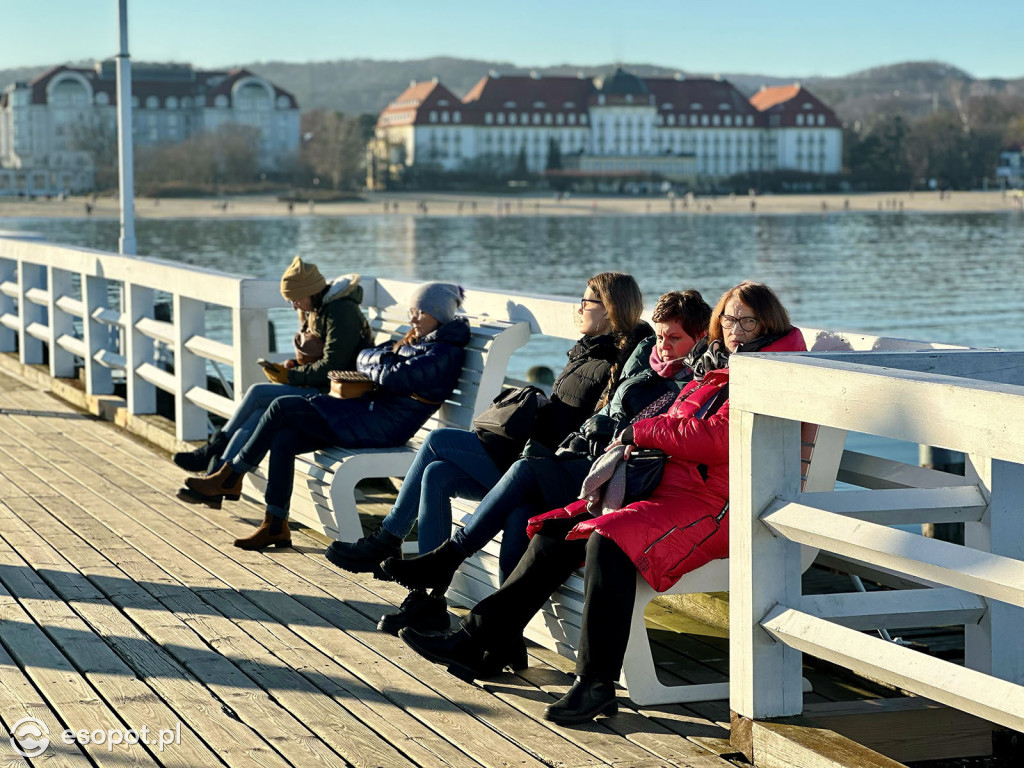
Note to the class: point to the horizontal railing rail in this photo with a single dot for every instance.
(77, 307)
(964, 400)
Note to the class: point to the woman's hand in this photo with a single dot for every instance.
(616, 443)
(289, 364)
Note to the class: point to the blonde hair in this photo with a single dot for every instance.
(761, 299)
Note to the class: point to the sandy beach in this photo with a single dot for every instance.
(453, 204)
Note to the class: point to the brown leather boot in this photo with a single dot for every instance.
(273, 532)
(224, 482)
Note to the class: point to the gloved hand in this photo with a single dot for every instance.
(276, 373)
(598, 431)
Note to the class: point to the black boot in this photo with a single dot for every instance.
(587, 699)
(365, 555)
(200, 459)
(434, 570)
(457, 650)
(511, 656)
(420, 611)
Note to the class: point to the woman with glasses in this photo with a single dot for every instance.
(332, 331)
(412, 378)
(658, 369)
(454, 461)
(680, 527)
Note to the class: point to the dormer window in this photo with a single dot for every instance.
(723, 107)
(539, 105)
(799, 119)
(510, 105)
(488, 117)
(444, 116)
(695, 106)
(666, 107)
(501, 118)
(512, 118)
(808, 105)
(442, 102)
(433, 116)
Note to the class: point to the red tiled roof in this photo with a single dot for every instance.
(767, 98)
(782, 105)
(414, 104)
(529, 93)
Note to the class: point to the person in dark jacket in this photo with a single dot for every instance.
(413, 377)
(680, 527)
(332, 331)
(653, 376)
(454, 461)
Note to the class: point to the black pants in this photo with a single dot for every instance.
(609, 591)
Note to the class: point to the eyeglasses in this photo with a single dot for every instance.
(415, 314)
(748, 323)
(584, 302)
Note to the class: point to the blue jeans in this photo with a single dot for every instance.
(451, 462)
(507, 507)
(290, 426)
(245, 418)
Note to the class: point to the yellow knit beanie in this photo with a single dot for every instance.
(301, 280)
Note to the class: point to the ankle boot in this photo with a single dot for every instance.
(587, 699)
(224, 482)
(511, 656)
(189, 496)
(434, 570)
(365, 555)
(457, 650)
(201, 458)
(273, 531)
(421, 611)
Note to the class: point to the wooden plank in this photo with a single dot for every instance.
(903, 506)
(480, 739)
(892, 609)
(876, 473)
(787, 744)
(906, 729)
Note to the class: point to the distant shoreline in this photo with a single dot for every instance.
(456, 204)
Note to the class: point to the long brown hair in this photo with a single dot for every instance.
(623, 303)
(762, 301)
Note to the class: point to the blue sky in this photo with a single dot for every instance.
(774, 37)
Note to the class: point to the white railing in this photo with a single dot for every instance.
(970, 401)
(46, 290)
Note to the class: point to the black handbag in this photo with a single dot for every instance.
(506, 425)
(644, 469)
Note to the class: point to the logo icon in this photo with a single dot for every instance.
(30, 737)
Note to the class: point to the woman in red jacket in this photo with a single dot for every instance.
(680, 527)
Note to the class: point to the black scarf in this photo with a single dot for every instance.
(711, 357)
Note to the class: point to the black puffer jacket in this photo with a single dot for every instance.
(576, 391)
(428, 368)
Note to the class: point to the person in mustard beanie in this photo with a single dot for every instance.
(332, 332)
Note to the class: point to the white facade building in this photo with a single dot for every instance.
(615, 127)
(45, 123)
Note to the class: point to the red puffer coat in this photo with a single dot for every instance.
(675, 531)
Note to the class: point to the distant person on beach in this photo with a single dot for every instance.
(408, 380)
(681, 526)
(332, 331)
(651, 379)
(456, 461)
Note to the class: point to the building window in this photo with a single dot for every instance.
(704, 120)
(525, 118)
(456, 117)
(572, 118)
(433, 116)
(536, 118)
(488, 118)
(220, 101)
(715, 120)
(583, 119)
(821, 119)
(501, 118)
(152, 102)
(750, 119)
(559, 119)
(547, 118)
(512, 118)
(102, 99)
(728, 120)
(444, 116)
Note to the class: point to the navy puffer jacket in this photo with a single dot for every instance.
(428, 368)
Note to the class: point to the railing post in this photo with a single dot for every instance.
(764, 570)
(62, 362)
(251, 340)
(8, 274)
(96, 335)
(995, 645)
(141, 395)
(30, 276)
(189, 369)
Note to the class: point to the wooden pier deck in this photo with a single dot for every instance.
(121, 607)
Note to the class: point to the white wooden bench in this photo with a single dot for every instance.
(557, 626)
(324, 496)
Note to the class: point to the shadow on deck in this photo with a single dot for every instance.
(122, 608)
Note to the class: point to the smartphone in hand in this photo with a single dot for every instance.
(267, 364)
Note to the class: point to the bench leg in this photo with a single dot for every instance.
(343, 502)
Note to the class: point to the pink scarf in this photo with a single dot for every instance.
(667, 369)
